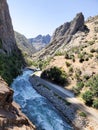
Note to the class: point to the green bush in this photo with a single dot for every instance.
(69, 55)
(43, 63)
(96, 29)
(58, 53)
(71, 69)
(56, 75)
(88, 97)
(91, 42)
(82, 114)
(67, 64)
(10, 66)
(93, 85)
(92, 50)
(78, 87)
(76, 90)
(95, 103)
(66, 55)
(78, 74)
(81, 57)
(86, 77)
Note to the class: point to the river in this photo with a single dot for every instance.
(36, 107)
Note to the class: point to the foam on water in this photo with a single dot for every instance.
(37, 108)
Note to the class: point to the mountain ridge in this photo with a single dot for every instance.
(63, 36)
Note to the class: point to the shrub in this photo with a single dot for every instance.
(95, 103)
(76, 90)
(10, 66)
(93, 85)
(68, 64)
(56, 75)
(78, 87)
(81, 57)
(43, 63)
(86, 77)
(71, 69)
(96, 29)
(58, 53)
(92, 50)
(82, 114)
(90, 55)
(66, 55)
(78, 74)
(91, 42)
(88, 97)
(69, 55)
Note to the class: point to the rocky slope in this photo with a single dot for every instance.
(75, 51)
(64, 35)
(11, 118)
(24, 44)
(40, 41)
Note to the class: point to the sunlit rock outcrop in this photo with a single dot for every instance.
(11, 118)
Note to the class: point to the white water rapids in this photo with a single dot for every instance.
(37, 108)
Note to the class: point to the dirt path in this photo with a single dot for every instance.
(90, 112)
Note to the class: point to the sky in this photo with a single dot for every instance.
(34, 17)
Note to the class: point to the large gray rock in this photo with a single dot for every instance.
(70, 28)
(11, 118)
(7, 40)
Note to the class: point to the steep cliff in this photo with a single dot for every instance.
(11, 60)
(11, 118)
(7, 40)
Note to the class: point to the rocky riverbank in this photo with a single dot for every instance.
(73, 115)
(11, 117)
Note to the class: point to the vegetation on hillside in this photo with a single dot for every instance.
(86, 85)
(10, 66)
(55, 75)
(39, 64)
(91, 95)
(79, 59)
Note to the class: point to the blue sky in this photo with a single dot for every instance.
(33, 17)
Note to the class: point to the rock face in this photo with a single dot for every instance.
(63, 35)
(40, 41)
(70, 28)
(11, 118)
(7, 40)
(24, 45)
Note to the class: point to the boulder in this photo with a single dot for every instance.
(11, 117)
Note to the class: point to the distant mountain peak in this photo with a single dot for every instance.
(40, 41)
